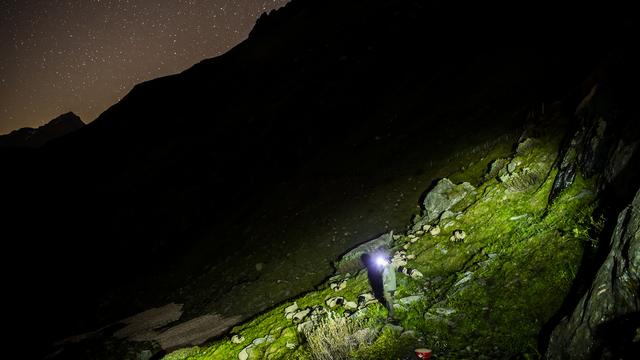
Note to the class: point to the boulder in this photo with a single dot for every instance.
(443, 197)
(605, 321)
(352, 259)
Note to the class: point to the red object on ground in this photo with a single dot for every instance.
(423, 353)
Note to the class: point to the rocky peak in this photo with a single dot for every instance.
(34, 138)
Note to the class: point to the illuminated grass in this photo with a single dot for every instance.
(490, 294)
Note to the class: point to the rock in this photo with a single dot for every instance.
(495, 168)
(467, 276)
(290, 345)
(525, 146)
(458, 236)
(145, 355)
(237, 339)
(300, 315)
(339, 285)
(435, 230)
(360, 313)
(244, 354)
(410, 299)
(619, 160)
(411, 257)
(305, 326)
(364, 299)
(444, 311)
(262, 340)
(444, 196)
(335, 301)
(602, 324)
(259, 266)
(291, 308)
(426, 227)
(420, 232)
(447, 215)
(352, 259)
(416, 275)
(350, 305)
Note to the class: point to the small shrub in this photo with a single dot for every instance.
(335, 338)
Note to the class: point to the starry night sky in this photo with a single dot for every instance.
(83, 56)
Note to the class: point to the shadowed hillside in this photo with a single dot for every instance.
(263, 165)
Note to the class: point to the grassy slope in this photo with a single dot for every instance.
(488, 295)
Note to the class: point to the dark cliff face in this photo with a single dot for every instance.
(317, 87)
(34, 138)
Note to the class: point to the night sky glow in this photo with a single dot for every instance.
(83, 56)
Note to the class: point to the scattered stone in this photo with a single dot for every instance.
(291, 308)
(411, 236)
(145, 355)
(410, 299)
(305, 326)
(458, 235)
(396, 237)
(359, 313)
(244, 354)
(350, 305)
(300, 315)
(290, 345)
(416, 275)
(339, 285)
(334, 301)
(262, 340)
(514, 218)
(237, 339)
(511, 167)
(426, 227)
(364, 298)
(259, 266)
(420, 232)
(467, 276)
(495, 168)
(435, 230)
(411, 257)
(406, 246)
(444, 311)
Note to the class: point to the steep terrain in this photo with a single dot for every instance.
(230, 188)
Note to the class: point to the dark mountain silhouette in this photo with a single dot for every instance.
(102, 220)
(33, 138)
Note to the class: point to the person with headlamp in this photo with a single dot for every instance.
(388, 282)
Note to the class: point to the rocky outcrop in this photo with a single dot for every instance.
(34, 138)
(443, 197)
(605, 322)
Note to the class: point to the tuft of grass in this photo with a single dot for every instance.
(335, 338)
